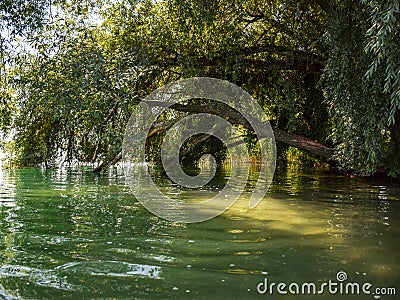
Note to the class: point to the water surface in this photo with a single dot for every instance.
(73, 234)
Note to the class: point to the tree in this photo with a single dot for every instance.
(278, 62)
(16, 18)
(301, 60)
(362, 79)
(71, 107)
(141, 53)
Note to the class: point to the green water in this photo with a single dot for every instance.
(76, 235)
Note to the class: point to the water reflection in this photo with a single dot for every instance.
(7, 190)
(70, 233)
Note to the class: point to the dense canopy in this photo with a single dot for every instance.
(327, 73)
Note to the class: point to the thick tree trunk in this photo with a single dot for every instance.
(312, 147)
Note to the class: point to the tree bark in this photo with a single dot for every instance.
(312, 147)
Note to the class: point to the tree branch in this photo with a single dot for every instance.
(289, 64)
(310, 146)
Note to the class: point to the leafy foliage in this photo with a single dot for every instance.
(325, 70)
(362, 84)
(71, 106)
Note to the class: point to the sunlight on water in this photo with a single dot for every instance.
(7, 190)
(70, 233)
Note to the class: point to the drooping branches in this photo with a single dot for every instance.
(361, 83)
(78, 83)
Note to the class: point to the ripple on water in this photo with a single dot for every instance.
(110, 269)
(7, 193)
(58, 276)
(46, 278)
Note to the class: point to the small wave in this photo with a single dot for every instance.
(57, 278)
(47, 278)
(110, 268)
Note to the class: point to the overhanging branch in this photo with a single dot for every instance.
(310, 146)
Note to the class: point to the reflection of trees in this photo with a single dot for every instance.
(65, 211)
(10, 225)
(63, 216)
